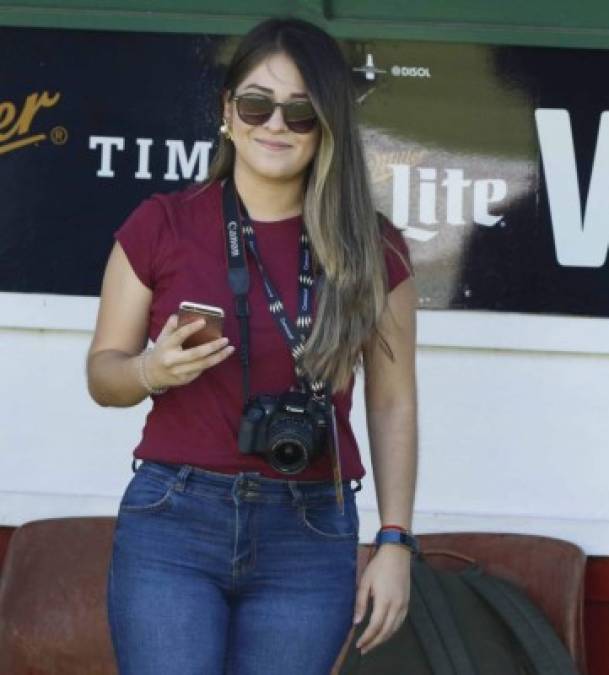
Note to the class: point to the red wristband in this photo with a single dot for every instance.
(394, 527)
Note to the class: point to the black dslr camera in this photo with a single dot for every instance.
(290, 430)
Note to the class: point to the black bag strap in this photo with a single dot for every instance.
(435, 624)
(540, 643)
(428, 634)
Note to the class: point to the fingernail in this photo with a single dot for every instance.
(357, 618)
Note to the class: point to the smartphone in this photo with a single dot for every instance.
(212, 330)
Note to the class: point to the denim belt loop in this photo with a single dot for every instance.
(180, 481)
(237, 487)
(296, 493)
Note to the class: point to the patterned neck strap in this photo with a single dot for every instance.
(239, 228)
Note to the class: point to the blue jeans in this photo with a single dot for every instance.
(220, 574)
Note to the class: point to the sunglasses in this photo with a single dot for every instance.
(256, 109)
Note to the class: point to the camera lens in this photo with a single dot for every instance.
(290, 457)
(290, 441)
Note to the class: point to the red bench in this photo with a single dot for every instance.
(52, 590)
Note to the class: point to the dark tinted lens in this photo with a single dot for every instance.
(302, 126)
(254, 109)
(300, 116)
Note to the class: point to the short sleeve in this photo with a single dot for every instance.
(141, 236)
(393, 238)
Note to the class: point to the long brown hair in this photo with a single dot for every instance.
(342, 225)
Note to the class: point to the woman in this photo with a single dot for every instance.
(221, 561)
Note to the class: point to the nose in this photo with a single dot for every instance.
(276, 121)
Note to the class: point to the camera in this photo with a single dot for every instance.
(290, 429)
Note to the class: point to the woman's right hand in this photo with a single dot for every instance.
(169, 365)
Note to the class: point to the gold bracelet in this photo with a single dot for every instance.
(144, 379)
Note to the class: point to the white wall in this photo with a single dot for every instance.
(513, 423)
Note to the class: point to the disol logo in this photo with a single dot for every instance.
(15, 124)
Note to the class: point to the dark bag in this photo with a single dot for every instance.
(464, 623)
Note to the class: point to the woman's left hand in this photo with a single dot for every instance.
(386, 579)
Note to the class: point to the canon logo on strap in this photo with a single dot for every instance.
(232, 238)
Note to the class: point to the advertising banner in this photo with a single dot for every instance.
(494, 160)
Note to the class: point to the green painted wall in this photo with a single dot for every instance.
(541, 22)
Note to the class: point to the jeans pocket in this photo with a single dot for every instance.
(323, 518)
(146, 494)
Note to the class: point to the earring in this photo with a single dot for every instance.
(225, 130)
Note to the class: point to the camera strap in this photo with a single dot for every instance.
(239, 231)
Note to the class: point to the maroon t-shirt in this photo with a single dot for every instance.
(175, 244)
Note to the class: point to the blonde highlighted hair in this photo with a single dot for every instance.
(343, 227)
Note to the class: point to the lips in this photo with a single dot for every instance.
(272, 145)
